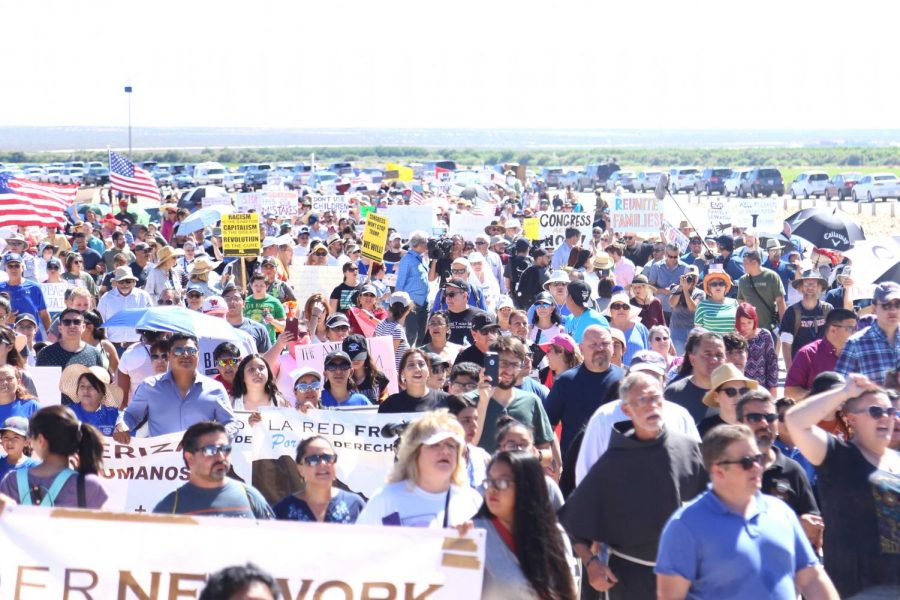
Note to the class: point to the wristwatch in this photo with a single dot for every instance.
(592, 559)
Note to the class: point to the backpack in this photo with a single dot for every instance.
(25, 491)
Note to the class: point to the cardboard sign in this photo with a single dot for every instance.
(248, 201)
(60, 553)
(380, 348)
(755, 212)
(55, 296)
(374, 238)
(469, 225)
(639, 213)
(240, 234)
(718, 212)
(311, 279)
(46, 380)
(281, 202)
(340, 205)
(215, 201)
(406, 219)
(552, 226)
(532, 228)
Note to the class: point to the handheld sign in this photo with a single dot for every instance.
(375, 237)
(240, 234)
(641, 214)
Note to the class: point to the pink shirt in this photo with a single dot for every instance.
(624, 272)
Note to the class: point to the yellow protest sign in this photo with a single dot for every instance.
(240, 234)
(399, 172)
(532, 228)
(375, 237)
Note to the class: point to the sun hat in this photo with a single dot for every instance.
(602, 261)
(558, 276)
(123, 274)
(642, 280)
(634, 311)
(713, 275)
(68, 384)
(810, 274)
(722, 375)
(167, 252)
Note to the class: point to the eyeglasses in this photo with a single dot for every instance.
(166, 302)
(227, 362)
(458, 271)
(619, 306)
(661, 339)
(515, 447)
(746, 462)
(185, 350)
(498, 484)
(876, 412)
(71, 322)
(732, 392)
(160, 356)
(337, 367)
(466, 385)
(213, 449)
(847, 328)
(895, 305)
(307, 387)
(672, 256)
(508, 364)
(313, 460)
(759, 417)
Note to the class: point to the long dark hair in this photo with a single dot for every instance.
(239, 386)
(13, 357)
(67, 436)
(538, 539)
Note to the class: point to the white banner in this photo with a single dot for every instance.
(70, 554)
(141, 473)
(307, 280)
(364, 441)
(552, 226)
(215, 201)
(248, 201)
(718, 213)
(406, 219)
(55, 296)
(755, 212)
(468, 225)
(641, 214)
(339, 204)
(381, 349)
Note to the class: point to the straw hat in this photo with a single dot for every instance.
(167, 252)
(722, 375)
(68, 384)
(810, 274)
(201, 265)
(642, 280)
(603, 261)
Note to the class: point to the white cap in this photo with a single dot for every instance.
(439, 436)
(401, 297)
(269, 241)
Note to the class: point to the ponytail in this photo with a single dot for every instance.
(67, 436)
(90, 449)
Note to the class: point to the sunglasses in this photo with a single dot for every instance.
(213, 449)
(313, 460)
(620, 306)
(718, 283)
(337, 367)
(458, 271)
(317, 253)
(454, 294)
(628, 237)
(307, 387)
(672, 256)
(732, 392)
(160, 356)
(895, 305)
(53, 267)
(498, 484)
(166, 302)
(746, 462)
(71, 322)
(184, 350)
(227, 362)
(760, 417)
(876, 412)
(13, 266)
(660, 339)
(541, 305)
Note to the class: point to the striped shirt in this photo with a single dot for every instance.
(716, 317)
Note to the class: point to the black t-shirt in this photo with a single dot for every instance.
(516, 266)
(402, 402)
(531, 283)
(640, 254)
(460, 325)
(689, 396)
(140, 272)
(811, 326)
(786, 479)
(343, 293)
(471, 354)
(391, 257)
(708, 423)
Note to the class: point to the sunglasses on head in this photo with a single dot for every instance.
(732, 392)
(746, 462)
(308, 387)
(313, 460)
(760, 417)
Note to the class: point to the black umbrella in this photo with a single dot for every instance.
(475, 191)
(801, 215)
(829, 230)
(782, 239)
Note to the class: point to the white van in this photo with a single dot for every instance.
(209, 173)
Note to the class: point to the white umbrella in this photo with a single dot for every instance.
(205, 217)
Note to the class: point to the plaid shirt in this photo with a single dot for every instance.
(869, 353)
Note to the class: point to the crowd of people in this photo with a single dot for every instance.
(611, 411)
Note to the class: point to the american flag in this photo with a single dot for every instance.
(126, 177)
(28, 203)
(416, 198)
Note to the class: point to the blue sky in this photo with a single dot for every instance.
(562, 64)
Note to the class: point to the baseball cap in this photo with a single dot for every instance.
(562, 340)
(505, 302)
(141, 247)
(12, 257)
(214, 305)
(335, 356)
(580, 292)
(648, 360)
(437, 359)
(304, 230)
(337, 320)
(483, 321)
(296, 375)
(355, 347)
(885, 292)
(558, 276)
(826, 381)
(400, 297)
(726, 241)
(18, 425)
(26, 317)
(269, 241)
(195, 287)
(268, 260)
(55, 262)
(457, 283)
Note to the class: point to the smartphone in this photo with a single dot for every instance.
(292, 325)
(492, 366)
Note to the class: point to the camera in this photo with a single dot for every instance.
(439, 248)
(691, 279)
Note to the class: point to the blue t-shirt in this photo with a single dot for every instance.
(104, 418)
(25, 298)
(637, 338)
(575, 326)
(343, 508)
(727, 555)
(18, 408)
(355, 399)
(5, 467)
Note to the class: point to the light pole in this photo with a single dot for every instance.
(128, 91)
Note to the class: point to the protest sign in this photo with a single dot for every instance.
(531, 228)
(240, 234)
(381, 349)
(248, 201)
(638, 213)
(314, 279)
(718, 213)
(55, 296)
(364, 440)
(552, 226)
(215, 201)
(755, 212)
(281, 202)
(209, 339)
(46, 380)
(673, 236)
(406, 219)
(139, 474)
(339, 204)
(375, 238)
(64, 553)
(468, 225)
(675, 211)
(364, 211)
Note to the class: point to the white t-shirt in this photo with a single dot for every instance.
(599, 430)
(135, 362)
(397, 504)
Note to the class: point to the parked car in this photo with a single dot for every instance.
(183, 180)
(683, 179)
(96, 176)
(34, 173)
(810, 183)
(341, 168)
(595, 175)
(52, 174)
(570, 179)
(94, 164)
(840, 185)
(625, 178)
(163, 178)
(298, 176)
(209, 173)
(551, 176)
(72, 176)
(875, 186)
(647, 180)
(325, 179)
(732, 183)
(233, 181)
(257, 176)
(712, 181)
(762, 180)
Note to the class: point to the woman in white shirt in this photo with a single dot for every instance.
(484, 279)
